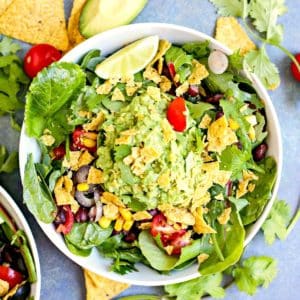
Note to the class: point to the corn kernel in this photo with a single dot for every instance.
(82, 187)
(91, 135)
(127, 225)
(119, 224)
(233, 124)
(104, 222)
(126, 214)
(89, 143)
(251, 134)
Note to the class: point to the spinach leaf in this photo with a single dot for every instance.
(77, 251)
(36, 194)
(161, 261)
(86, 59)
(53, 88)
(53, 178)
(87, 235)
(262, 192)
(8, 162)
(231, 240)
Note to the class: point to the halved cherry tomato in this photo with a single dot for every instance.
(77, 137)
(160, 226)
(179, 240)
(176, 114)
(59, 152)
(39, 57)
(294, 69)
(66, 227)
(172, 70)
(11, 276)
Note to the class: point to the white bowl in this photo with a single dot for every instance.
(109, 42)
(17, 216)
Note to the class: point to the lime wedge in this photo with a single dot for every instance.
(129, 60)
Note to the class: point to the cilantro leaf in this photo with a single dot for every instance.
(260, 134)
(265, 14)
(196, 288)
(234, 8)
(197, 49)
(255, 271)
(260, 64)
(7, 46)
(236, 61)
(235, 160)
(276, 223)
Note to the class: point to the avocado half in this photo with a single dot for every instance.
(101, 15)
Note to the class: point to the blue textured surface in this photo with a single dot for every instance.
(62, 279)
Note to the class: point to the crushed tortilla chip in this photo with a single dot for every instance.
(199, 72)
(165, 84)
(72, 162)
(117, 95)
(36, 22)
(163, 47)
(200, 225)
(85, 159)
(183, 88)
(225, 216)
(63, 193)
(142, 215)
(202, 257)
(95, 176)
(95, 122)
(98, 287)
(74, 34)
(152, 74)
(4, 287)
(111, 211)
(177, 214)
(4, 4)
(154, 93)
(108, 197)
(205, 121)
(231, 33)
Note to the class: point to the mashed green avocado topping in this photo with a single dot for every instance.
(144, 159)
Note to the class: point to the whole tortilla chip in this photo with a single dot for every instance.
(36, 21)
(230, 33)
(4, 5)
(98, 287)
(75, 36)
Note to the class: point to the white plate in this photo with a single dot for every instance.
(109, 42)
(17, 216)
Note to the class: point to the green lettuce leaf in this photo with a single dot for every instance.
(49, 92)
(197, 49)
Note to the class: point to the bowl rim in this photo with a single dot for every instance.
(79, 51)
(16, 214)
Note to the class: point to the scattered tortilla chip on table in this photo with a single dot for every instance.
(74, 34)
(231, 33)
(4, 5)
(35, 22)
(101, 288)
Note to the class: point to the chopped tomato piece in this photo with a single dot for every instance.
(66, 227)
(77, 140)
(11, 276)
(176, 114)
(160, 226)
(172, 70)
(59, 152)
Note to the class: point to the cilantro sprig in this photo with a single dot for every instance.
(263, 16)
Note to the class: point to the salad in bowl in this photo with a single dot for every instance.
(155, 154)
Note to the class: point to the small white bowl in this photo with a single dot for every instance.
(17, 216)
(109, 42)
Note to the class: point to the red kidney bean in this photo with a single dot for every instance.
(193, 90)
(82, 215)
(260, 151)
(219, 115)
(130, 237)
(214, 99)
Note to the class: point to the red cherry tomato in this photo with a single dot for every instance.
(179, 240)
(160, 226)
(294, 69)
(59, 152)
(39, 57)
(77, 144)
(11, 276)
(66, 227)
(176, 114)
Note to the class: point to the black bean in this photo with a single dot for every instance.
(219, 115)
(260, 151)
(22, 292)
(60, 217)
(215, 99)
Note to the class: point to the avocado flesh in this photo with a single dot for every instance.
(101, 15)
